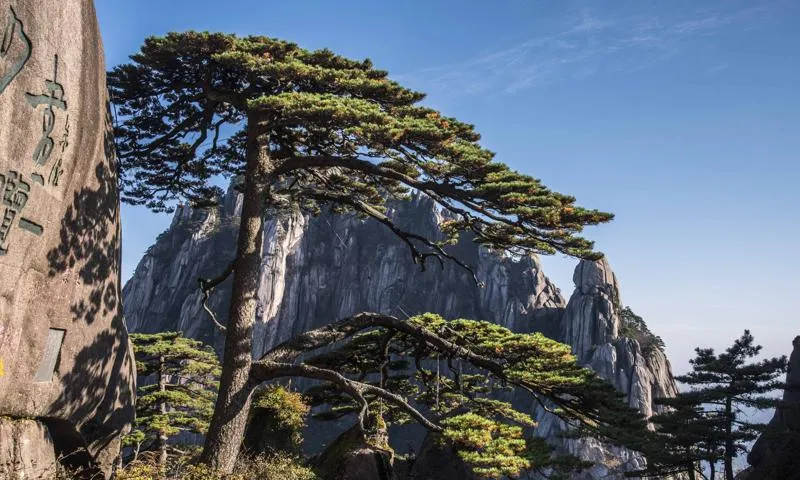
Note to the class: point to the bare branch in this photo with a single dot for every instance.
(208, 286)
(313, 339)
(417, 256)
(264, 370)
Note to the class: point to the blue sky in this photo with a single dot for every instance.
(680, 117)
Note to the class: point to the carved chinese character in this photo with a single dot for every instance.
(15, 193)
(55, 173)
(53, 99)
(5, 229)
(15, 49)
(64, 142)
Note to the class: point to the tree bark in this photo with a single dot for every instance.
(729, 447)
(161, 441)
(228, 423)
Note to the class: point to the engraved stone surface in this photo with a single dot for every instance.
(49, 361)
(59, 231)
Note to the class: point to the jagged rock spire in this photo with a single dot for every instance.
(592, 318)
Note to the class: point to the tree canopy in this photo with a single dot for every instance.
(446, 376)
(309, 130)
(339, 131)
(181, 396)
(708, 422)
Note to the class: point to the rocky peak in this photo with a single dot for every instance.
(319, 269)
(592, 324)
(591, 318)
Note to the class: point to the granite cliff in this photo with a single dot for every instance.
(66, 371)
(317, 270)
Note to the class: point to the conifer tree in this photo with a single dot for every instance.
(311, 130)
(488, 434)
(181, 399)
(685, 435)
(707, 422)
(729, 381)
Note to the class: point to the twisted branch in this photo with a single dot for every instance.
(207, 286)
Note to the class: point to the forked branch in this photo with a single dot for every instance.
(207, 286)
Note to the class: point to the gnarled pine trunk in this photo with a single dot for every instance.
(228, 423)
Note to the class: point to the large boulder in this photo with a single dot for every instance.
(26, 450)
(65, 360)
(774, 455)
(439, 461)
(354, 457)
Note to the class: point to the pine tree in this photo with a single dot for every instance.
(460, 397)
(685, 435)
(707, 423)
(731, 380)
(311, 130)
(181, 399)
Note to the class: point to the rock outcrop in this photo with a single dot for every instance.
(350, 457)
(774, 455)
(64, 355)
(592, 324)
(317, 270)
(26, 450)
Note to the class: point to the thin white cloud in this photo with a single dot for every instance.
(588, 45)
(714, 69)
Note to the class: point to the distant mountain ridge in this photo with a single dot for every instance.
(317, 270)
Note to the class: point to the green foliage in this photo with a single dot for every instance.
(488, 434)
(182, 397)
(280, 466)
(140, 471)
(634, 327)
(313, 111)
(277, 418)
(706, 423)
(289, 408)
(494, 449)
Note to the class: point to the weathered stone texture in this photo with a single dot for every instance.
(64, 350)
(775, 453)
(350, 457)
(317, 270)
(592, 325)
(26, 450)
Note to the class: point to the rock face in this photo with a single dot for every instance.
(593, 326)
(64, 355)
(774, 454)
(321, 269)
(26, 450)
(351, 458)
(318, 270)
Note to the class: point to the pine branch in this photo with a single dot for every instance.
(208, 286)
